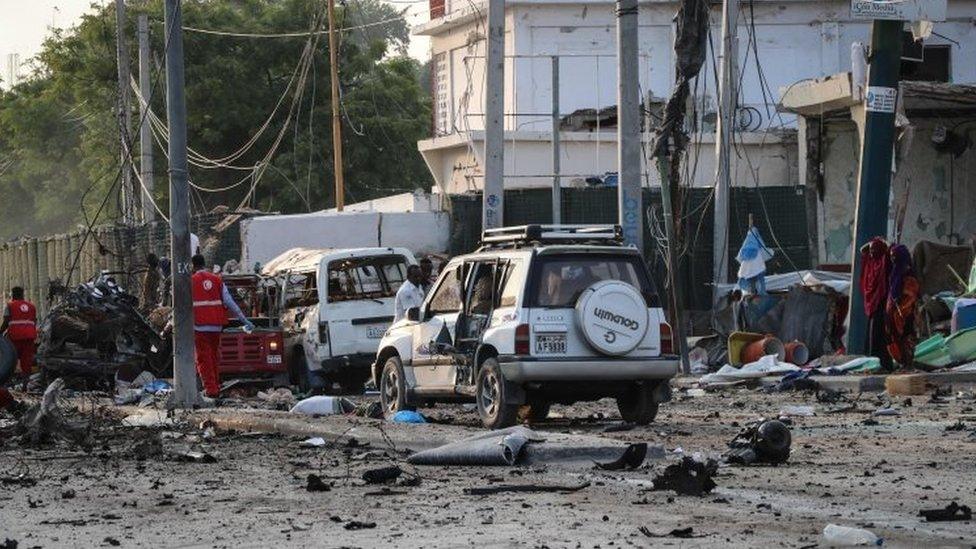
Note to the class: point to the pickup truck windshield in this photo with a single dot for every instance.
(560, 280)
(366, 277)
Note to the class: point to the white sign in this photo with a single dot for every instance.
(879, 99)
(900, 10)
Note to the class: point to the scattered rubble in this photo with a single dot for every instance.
(951, 512)
(690, 477)
(95, 329)
(763, 441)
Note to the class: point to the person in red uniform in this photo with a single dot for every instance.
(20, 325)
(211, 300)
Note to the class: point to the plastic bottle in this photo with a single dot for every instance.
(844, 536)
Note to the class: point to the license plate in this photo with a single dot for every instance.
(274, 359)
(375, 332)
(550, 344)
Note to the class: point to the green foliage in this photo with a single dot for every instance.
(59, 144)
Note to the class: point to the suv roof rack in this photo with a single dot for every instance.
(522, 235)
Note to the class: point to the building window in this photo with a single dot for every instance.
(926, 63)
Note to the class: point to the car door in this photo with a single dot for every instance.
(432, 367)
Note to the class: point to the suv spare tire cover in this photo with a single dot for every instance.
(612, 315)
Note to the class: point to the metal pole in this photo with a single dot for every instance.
(729, 77)
(124, 115)
(340, 189)
(145, 132)
(629, 200)
(556, 179)
(874, 183)
(677, 315)
(185, 391)
(492, 215)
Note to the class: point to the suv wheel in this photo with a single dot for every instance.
(638, 405)
(494, 396)
(535, 411)
(393, 387)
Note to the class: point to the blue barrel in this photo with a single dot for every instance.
(966, 317)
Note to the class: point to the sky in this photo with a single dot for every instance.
(25, 23)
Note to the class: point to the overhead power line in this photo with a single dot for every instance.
(290, 34)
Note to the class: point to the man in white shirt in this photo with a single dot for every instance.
(410, 293)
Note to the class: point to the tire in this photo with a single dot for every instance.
(494, 397)
(535, 411)
(298, 371)
(8, 359)
(638, 405)
(393, 387)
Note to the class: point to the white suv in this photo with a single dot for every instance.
(538, 315)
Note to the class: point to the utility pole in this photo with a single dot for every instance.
(185, 390)
(874, 183)
(340, 189)
(493, 197)
(145, 133)
(556, 180)
(728, 100)
(125, 116)
(630, 204)
(677, 313)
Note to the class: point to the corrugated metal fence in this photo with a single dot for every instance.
(780, 213)
(33, 262)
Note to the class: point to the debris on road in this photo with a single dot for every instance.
(46, 421)
(96, 329)
(763, 441)
(690, 477)
(382, 475)
(323, 406)
(314, 442)
(314, 483)
(951, 512)
(680, 533)
(845, 536)
(408, 416)
(358, 525)
(500, 488)
(501, 447)
(632, 458)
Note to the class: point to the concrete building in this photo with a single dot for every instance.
(794, 40)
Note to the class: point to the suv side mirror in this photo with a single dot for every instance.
(413, 313)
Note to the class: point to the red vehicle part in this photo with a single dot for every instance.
(260, 353)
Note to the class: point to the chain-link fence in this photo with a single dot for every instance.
(71, 258)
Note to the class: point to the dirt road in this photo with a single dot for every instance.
(130, 490)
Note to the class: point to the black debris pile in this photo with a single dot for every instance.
(690, 477)
(763, 441)
(50, 422)
(95, 329)
(680, 533)
(951, 512)
(314, 483)
(382, 475)
(632, 458)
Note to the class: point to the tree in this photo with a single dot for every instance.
(246, 97)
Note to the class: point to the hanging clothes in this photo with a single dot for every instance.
(874, 274)
(752, 258)
(903, 294)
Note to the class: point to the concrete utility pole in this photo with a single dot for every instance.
(556, 180)
(185, 390)
(145, 133)
(677, 312)
(129, 191)
(340, 187)
(874, 183)
(630, 204)
(728, 100)
(492, 213)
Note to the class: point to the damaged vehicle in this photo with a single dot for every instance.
(94, 330)
(335, 305)
(541, 314)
